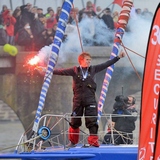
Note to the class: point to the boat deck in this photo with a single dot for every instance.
(50, 143)
(104, 152)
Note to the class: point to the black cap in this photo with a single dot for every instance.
(108, 9)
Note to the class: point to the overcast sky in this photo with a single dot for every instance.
(150, 4)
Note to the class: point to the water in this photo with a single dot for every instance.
(10, 133)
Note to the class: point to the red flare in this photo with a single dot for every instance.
(34, 61)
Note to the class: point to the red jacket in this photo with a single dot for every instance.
(9, 22)
(51, 22)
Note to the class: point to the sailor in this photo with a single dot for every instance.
(84, 101)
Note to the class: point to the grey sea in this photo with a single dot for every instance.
(10, 133)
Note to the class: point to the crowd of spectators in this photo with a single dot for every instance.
(30, 27)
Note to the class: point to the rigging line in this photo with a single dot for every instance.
(56, 122)
(132, 50)
(29, 128)
(83, 3)
(121, 134)
(75, 18)
(48, 122)
(20, 144)
(104, 9)
(132, 65)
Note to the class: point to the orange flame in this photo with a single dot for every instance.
(34, 60)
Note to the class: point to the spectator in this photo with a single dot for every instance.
(58, 13)
(88, 10)
(51, 19)
(24, 37)
(138, 11)
(48, 10)
(26, 15)
(50, 34)
(39, 11)
(146, 14)
(98, 10)
(4, 8)
(115, 18)
(107, 18)
(9, 22)
(39, 32)
(90, 6)
(3, 34)
(17, 16)
(72, 17)
(124, 117)
(34, 11)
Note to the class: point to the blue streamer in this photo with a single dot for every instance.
(109, 72)
(126, 8)
(64, 16)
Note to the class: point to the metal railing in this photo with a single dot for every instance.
(53, 133)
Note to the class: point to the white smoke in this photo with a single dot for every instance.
(44, 54)
(136, 40)
(94, 32)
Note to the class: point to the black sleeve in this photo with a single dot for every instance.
(22, 7)
(106, 64)
(64, 72)
(23, 37)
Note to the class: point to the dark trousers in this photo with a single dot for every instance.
(90, 111)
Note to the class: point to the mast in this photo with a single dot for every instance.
(34, 3)
(11, 5)
(23, 2)
(122, 22)
(66, 8)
